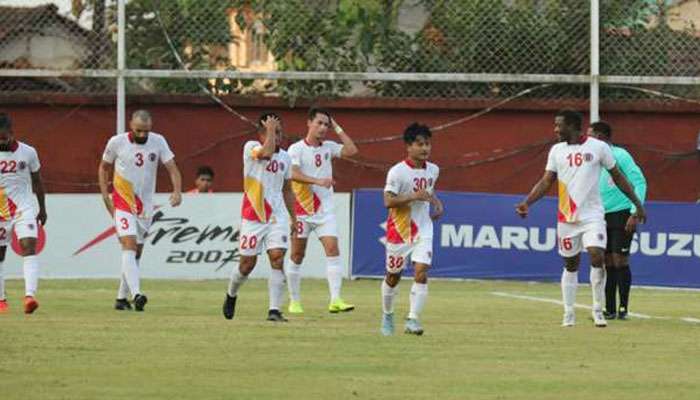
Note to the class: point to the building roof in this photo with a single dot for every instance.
(19, 20)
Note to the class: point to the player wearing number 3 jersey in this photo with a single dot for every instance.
(576, 163)
(408, 195)
(135, 156)
(268, 202)
(19, 176)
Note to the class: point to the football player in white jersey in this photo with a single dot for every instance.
(312, 175)
(408, 195)
(135, 156)
(576, 163)
(268, 203)
(19, 179)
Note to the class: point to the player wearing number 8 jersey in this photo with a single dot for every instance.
(576, 163)
(19, 176)
(408, 195)
(265, 223)
(135, 157)
(312, 174)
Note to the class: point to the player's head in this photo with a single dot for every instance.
(261, 128)
(600, 130)
(567, 123)
(418, 141)
(205, 179)
(318, 123)
(6, 135)
(140, 124)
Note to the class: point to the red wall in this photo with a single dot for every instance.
(70, 134)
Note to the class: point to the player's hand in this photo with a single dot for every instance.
(325, 182)
(271, 123)
(438, 210)
(631, 225)
(336, 127)
(422, 195)
(522, 209)
(175, 199)
(639, 217)
(42, 217)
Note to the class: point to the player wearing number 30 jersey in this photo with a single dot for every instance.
(408, 195)
(268, 202)
(576, 163)
(135, 156)
(19, 176)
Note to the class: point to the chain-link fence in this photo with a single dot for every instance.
(501, 41)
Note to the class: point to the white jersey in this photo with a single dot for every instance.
(135, 171)
(412, 221)
(263, 179)
(578, 167)
(16, 167)
(316, 162)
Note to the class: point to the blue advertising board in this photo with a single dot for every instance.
(481, 237)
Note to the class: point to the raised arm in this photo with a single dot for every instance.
(349, 147)
(103, 173)
(537, 192)
(271, 124)
(38, 188)
(176, 181)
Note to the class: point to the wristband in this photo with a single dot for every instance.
(338, 129)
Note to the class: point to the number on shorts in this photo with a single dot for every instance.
(566, 244)
(395, 262)
(318, 160)
(139, 159)
(125, 223)
(299, 227)
(249, 242)
(3, 233)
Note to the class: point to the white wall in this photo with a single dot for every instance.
(172, 250)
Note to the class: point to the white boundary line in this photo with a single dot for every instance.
(558, 302)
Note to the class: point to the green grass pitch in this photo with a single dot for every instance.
(477, 345)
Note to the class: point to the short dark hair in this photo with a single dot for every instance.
(414, 130)
(263, 117)
(205, 170)
(316, 110)
(602, 128)
(5, 122)
(571, 118)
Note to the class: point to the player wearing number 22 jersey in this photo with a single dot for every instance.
(268, 202)
(576, 163)
(408, 195)
(135, 156)
(19, 176)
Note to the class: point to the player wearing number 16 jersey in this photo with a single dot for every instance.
(135, 156)
(576, 163)
(265, 223)
(312, 175)
(408, 195)
(19, 176)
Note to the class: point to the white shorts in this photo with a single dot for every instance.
(420, 251)
(128, 224)
(323, 225)
(255, 237)
(573, 238)
(24, 224)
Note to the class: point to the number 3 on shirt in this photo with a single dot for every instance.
(139, 159)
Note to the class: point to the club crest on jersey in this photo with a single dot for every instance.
(284, 239)
(588, 157)
(281, 166)
(326, 156)
(31, 227)
(22, 165)
(601, 237)
(152, 157)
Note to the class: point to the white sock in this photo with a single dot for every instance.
(388, 295)
(569, 284)
(275, 287)
(419, 294)
(123, 291)
(294, 281)
(334, 273)
(130, 272)
(31, 275)
(598, 287)
(237, 280)
(2, 283)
